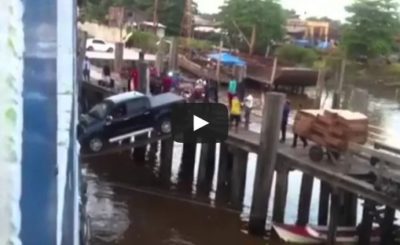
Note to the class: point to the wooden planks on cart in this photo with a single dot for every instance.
(333, 129)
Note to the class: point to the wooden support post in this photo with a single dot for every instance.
(188, 161)
(303, 211)
(349, 210)
(167, 147)
(365, 227)
(323, 203)
(238, 177)
(333, 217)
(336, 100)
(139, 153)
(281, 189)
(387, 226)
(224, 170)
(359, 100)
(206, 164)
(269, 141)
(153, 148)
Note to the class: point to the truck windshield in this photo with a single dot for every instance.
(99, 111)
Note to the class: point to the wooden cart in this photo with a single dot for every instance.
(331, 130)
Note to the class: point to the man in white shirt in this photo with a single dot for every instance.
(248, 106)
(86, 69)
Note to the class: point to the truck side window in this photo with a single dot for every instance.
(119, 111)
(137, 106)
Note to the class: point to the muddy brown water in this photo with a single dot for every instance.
(128, 204)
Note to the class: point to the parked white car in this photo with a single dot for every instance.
(95, 44)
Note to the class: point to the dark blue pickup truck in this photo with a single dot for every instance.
(122, 116)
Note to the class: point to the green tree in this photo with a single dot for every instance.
(256, 22)
(371, 28)
(299, 56)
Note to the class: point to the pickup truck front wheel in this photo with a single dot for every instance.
(165, 126)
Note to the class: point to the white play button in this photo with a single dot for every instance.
(198, 123)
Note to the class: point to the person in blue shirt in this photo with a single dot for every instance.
(232, 90)
(284, 122)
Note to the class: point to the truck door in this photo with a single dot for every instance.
(139, 113)
(119, 123)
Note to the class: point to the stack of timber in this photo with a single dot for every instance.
(332, 129)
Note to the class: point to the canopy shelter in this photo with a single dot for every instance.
(227, 59)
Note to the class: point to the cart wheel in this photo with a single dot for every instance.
(316, 153)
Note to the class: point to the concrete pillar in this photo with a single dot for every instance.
(269, 141)
(303, 211)
(119, 56)
(281, 189)
(167, 146)
(173, 55)
(238, 177)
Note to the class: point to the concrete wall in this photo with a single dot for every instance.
(109, 34)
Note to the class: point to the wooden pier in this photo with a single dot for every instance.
(341, 182)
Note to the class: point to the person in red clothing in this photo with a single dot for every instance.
(167, 83)
(134, 78)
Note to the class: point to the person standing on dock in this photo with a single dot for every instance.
(235, 111)
(232, 90)
(107, 75)
(86, 69)
(133, 78)
(295, 136)
(285, 118)
(248, 106)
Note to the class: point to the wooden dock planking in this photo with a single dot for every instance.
(298, 159)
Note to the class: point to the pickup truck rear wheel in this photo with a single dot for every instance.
(165, 126)
(95, 144)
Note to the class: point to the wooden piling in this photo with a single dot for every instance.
(333, 217)
(349, 210)
(153, 148)
(365, 227)
(167, 147)
(206, 164)
(139, 153)
(323, 203)
(222, 178)
(303, 211)
(188, 161)
(238, 177)
(387, 226)
(281, 189)
(269, 140)
(224, 171)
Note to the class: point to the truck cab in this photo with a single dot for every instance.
(120, 117)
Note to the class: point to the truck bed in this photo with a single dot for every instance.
(164, 99)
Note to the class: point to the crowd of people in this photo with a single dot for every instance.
(239, 104)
